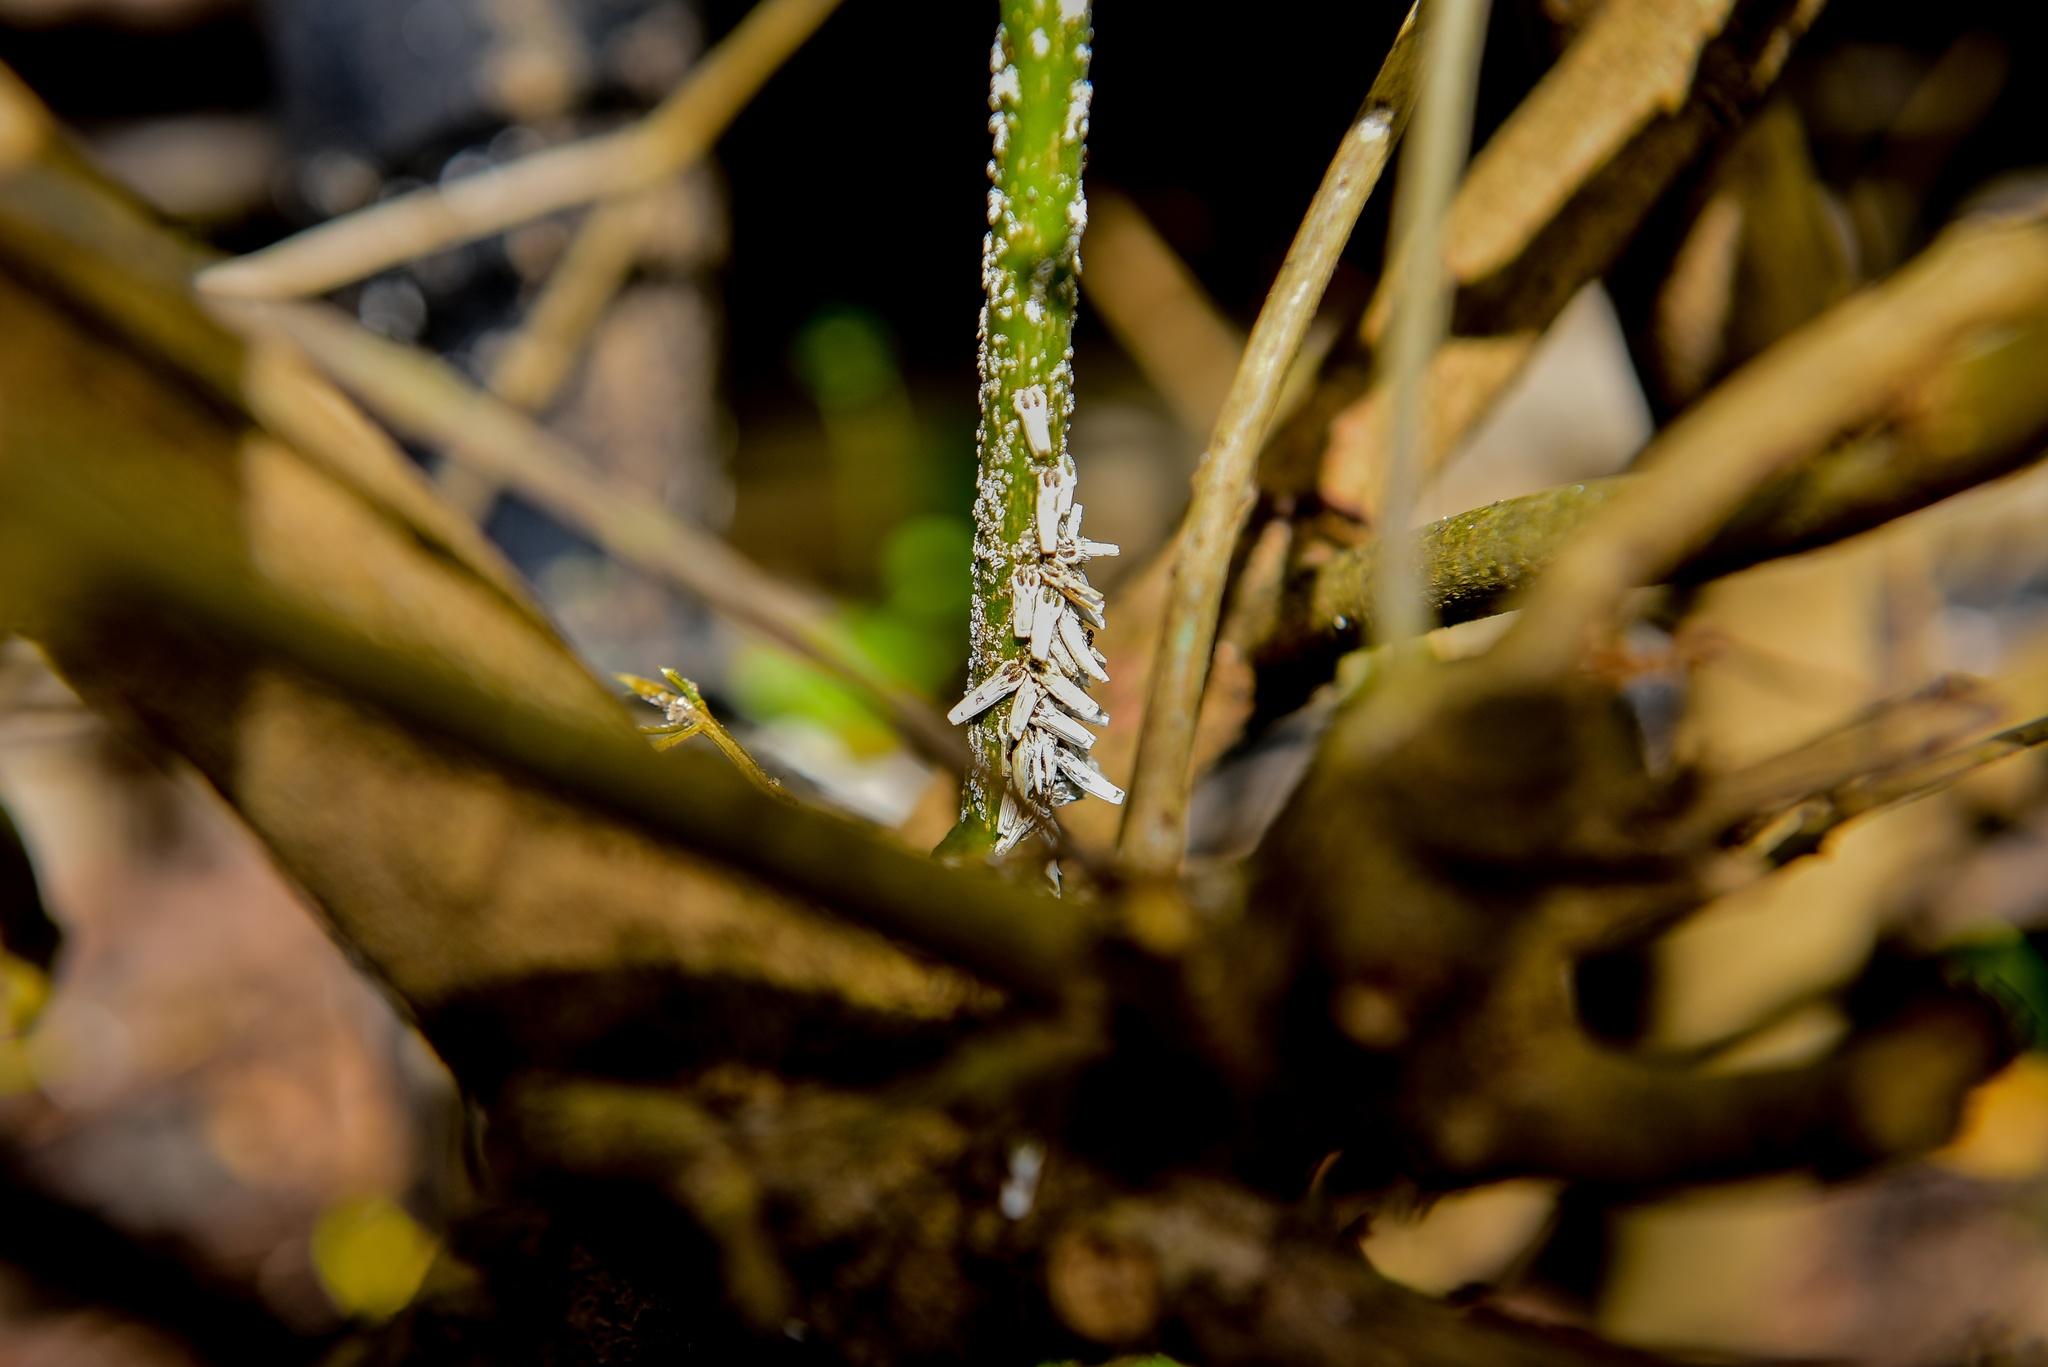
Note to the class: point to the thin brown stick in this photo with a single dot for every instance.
(1158, 311)
(531, 369)
(673, 136)
(537, 359)
(1422, 308)
(1827, 811)
(1646, 88)
(1839, 371)
(432, 402)
(1891, 737)
(1155, 828)
(89, 560)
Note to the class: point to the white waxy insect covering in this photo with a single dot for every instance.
(1052, 605)
(1045, 623)
(1069, 695)
(1033, 413)
(987, 693)
(1055, 506)
(1088, 778)
(1075, 639)
(1013, 825)
(1052, 719)
(1022, 705)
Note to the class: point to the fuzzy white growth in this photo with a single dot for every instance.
(1079, 96)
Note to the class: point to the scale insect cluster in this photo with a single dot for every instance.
(1052, 610)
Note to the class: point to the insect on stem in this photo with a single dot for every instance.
(1031, 653)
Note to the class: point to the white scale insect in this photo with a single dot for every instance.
(1052, 605)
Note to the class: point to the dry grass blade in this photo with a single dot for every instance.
(538, 358)
(678, 131)
(1155, 828)
(429, 400)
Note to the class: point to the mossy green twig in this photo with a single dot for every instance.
(1973, 416)
(1982, 278)
(1031, 269)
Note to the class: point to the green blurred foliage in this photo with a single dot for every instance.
(2008, 966)
(846, 359)
(891, 468)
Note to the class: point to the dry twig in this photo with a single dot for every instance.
(1973, 417)
(1155, 828)
(1819, 383)
(1826, 811)
(432, 402)
(671, 137)
(1422, 306)
(1635, 100)
(539, 356)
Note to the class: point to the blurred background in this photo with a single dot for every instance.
(214, 1093)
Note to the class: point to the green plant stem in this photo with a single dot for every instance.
(1031, 273)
